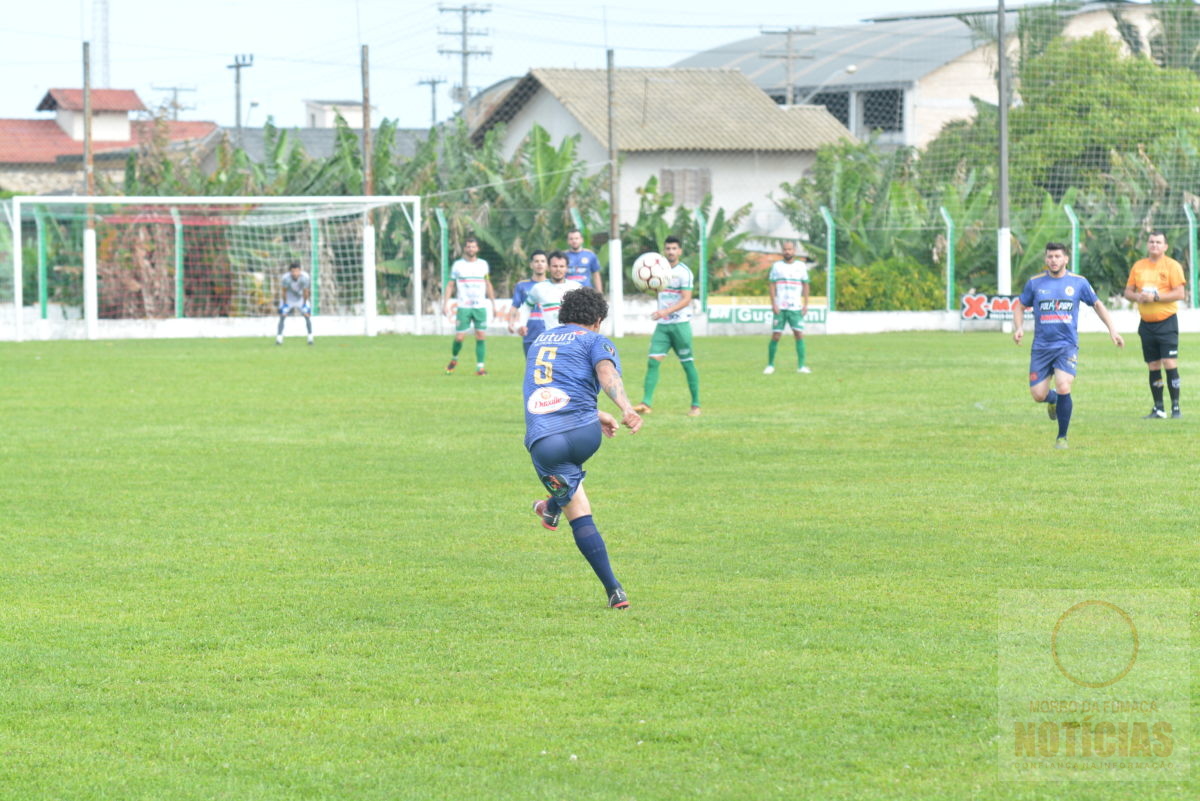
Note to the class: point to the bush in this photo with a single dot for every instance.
(888, 285)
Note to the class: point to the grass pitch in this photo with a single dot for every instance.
(231, 570)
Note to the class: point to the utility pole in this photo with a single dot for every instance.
(789, 56)
(366, 101)
(464, 50)
(174, 104)
(1003, 232)
(240, 62)
(100, 33)
(432, 83)
(616, 269)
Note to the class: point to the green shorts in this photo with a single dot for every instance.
(792, 317)
(673, 336)
(468, 316)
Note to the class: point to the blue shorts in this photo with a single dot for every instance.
(1044, 361)
(558, 459)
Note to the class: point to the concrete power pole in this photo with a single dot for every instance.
(175, 105)
(464, 50)
(240, 62)
(100, 33)
(789, 56)
(432, 83)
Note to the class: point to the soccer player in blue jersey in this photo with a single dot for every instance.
(566, 368)
(533, 326)
(1055, 297)
(582, 265)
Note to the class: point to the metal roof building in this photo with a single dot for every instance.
(888, 78)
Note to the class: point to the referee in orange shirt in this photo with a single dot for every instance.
(1156, 285)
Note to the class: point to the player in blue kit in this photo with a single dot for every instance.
(534, 325)
(566, 368)
(582, 264)
(1055, 297)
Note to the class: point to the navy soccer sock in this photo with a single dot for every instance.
(1064, 413)
(591, 545)
(1051, 397)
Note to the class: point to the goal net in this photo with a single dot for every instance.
(204, 258)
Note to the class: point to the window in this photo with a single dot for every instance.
(689, 185)
(836, 103)
(883, 110)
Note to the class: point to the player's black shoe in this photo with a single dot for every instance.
(549, 521)
(1176, 414)
(618, 599)
(450, 367)
(1052, 410)
(1156, 414)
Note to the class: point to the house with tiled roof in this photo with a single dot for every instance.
(698, 131)
(44, 156)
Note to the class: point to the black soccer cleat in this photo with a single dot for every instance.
(1176, 414)
(1052, 410)
(450, 367)
(1156, 414)
(549, 521)
(618, 599)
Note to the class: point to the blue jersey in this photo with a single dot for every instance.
(520, 292)
(560, 380)
(581, 265)
(1055, 304)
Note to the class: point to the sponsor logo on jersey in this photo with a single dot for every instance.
(547, 400)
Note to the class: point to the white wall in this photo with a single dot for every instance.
(320, 115)
(944, 95)
(107, 126)
(737, 178)
(545, 110)
(636, 320)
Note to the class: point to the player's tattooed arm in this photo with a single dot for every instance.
(610, 381)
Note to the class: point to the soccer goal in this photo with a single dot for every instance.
(210, 266)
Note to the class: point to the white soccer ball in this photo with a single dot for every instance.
(651, 272)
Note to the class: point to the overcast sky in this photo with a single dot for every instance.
(309, 49)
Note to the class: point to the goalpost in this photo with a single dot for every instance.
(207, 266)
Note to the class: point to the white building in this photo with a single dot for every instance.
(324, 113)
(699, 131)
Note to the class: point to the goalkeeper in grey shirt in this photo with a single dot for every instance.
(295, 289)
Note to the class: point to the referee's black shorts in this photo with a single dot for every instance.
(1160, 340)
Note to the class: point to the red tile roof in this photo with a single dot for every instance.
(42, 141)
(102, 100)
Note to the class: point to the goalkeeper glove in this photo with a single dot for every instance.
(305, 309)
(284, 308)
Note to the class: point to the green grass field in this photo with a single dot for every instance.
(237, 571)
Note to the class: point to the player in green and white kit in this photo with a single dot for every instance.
(674, 330)
(549, 293)
(469, 276)
(295, 290)
(788, 282)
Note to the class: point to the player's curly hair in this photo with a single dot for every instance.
(584, 306)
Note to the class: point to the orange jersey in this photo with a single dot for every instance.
(1163, 275)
